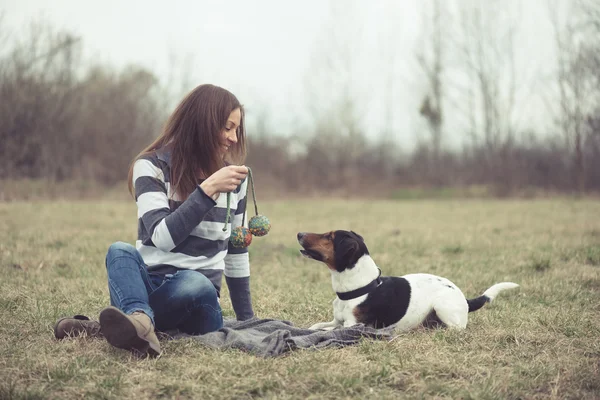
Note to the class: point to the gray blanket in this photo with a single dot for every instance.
(269, 337)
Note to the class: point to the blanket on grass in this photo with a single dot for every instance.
(270, 337)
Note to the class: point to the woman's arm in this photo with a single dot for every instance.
(237, 265)
(241, 300)
(164, 228)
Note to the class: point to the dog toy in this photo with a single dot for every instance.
(240, 237)
(259, 225)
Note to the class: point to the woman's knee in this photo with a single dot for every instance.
(195, 286)
(120, 249)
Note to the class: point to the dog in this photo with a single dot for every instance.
(364, 296)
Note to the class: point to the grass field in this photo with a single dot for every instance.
(539, 341)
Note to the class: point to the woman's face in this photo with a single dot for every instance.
(229, 133)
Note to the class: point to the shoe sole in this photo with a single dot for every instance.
(120, 332)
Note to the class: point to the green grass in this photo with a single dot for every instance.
(540, 341)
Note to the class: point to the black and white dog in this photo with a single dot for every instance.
(363, 296)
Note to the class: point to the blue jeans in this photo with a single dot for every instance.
(186, 300)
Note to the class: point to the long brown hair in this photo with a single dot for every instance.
(193, 132)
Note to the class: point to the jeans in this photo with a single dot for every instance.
(186, 300)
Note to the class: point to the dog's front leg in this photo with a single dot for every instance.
(348, 322)
(326, 326)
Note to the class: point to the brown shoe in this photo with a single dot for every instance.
(133, 332)
(77, 325)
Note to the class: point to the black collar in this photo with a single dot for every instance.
(360, 291)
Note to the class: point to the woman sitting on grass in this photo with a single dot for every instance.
(172, 277)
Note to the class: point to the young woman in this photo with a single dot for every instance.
(171, 279)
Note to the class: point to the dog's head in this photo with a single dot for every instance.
(339, 250)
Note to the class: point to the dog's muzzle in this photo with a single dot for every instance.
(315, 255)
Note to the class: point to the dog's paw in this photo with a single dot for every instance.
(323, 326)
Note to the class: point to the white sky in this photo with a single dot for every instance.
(265, 51)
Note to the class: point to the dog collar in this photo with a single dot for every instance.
(360, 291)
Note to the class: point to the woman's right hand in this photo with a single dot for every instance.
(224, 180)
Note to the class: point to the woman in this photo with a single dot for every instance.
(172, 277)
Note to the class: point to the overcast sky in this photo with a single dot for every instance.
(266, 52)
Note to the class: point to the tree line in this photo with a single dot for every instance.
(62, 118)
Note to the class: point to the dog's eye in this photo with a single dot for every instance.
(328, 236)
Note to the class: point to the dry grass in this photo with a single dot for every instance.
(541, 341)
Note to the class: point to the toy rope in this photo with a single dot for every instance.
(251, 182)
(228, 211)
(227, 216)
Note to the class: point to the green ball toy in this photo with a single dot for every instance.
(259, 225)
(240, 237)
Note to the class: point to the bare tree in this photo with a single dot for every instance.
(60, 120)
(577, 40)
(39, 97)
(488, 50)
(336, 104)
(487, 83)
(430, 56)
(181, 78)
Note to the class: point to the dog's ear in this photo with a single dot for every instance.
(360, 237)
(348, 249)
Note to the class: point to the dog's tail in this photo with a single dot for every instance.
(489, 295)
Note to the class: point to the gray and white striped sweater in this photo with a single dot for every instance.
(175, 234)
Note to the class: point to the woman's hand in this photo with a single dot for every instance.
(224, 180)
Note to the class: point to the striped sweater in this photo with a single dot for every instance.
(175, 234)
